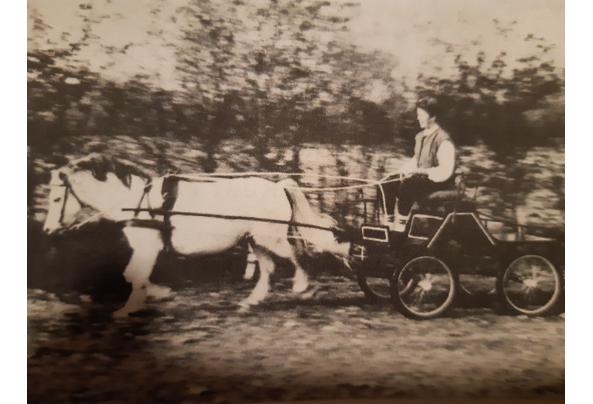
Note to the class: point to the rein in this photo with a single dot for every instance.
(164, 212)
(205, 177)
(69, 190)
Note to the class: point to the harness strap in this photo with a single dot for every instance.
(64, 203)
(147, 189)
(169, 190)
(69, 189)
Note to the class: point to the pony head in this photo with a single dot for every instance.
(94, 182)
(62, 209)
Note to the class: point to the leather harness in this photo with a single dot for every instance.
(169, 191)
(68, 190)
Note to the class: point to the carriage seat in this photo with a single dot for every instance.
(448, 200)
(443, 196)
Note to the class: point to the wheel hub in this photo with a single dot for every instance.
(425, 284)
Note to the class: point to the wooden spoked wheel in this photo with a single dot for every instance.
(530, 285)
(424, 288)
(376, 289)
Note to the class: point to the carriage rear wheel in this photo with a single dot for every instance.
(376, 289)
(530, 285)
(424, 288)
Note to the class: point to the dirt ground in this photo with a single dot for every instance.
(195, 346)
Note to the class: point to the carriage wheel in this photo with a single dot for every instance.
(376, 289)
(423, 288)
(530, 285)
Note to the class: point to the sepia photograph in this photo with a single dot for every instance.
(236, 201)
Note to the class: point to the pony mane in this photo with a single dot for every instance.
(100, 165)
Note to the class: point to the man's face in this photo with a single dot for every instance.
(422, 117)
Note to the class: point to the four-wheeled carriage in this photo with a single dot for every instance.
(419, 270)
(446, 236)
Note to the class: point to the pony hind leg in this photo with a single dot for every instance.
(300, 280)
(251, 261)
(282, 248)
(146, 245)
(262, 288)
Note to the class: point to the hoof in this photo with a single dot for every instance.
(244, 309)
(300, 288)
(244, 306)
(311, 293)
(125, 311)
(248, 303)
(158, 292)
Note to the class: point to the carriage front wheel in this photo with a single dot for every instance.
(376, 289)
(530, 285)
(424, 288)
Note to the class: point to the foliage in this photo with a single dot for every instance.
(282, 71)
(484, 102)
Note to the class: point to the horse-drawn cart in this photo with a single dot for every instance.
(206, 214)
(419, 270)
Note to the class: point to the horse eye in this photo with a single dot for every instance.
(57, 199)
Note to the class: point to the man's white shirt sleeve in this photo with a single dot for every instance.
(446, 163)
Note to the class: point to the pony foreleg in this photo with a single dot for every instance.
(251, 263)
(146, 245)
(300, 281)
(259, 293)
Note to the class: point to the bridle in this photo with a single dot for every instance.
(68, 190)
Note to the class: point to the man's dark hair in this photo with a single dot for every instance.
(430, 105)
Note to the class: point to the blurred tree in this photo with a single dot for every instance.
(492, 103)
(272, 53)
(282, 71)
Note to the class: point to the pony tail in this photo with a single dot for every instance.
(302, 212)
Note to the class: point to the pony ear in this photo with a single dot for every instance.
(100, 167)
(127, 180)
(123, 172)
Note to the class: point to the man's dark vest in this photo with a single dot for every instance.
(428, 146)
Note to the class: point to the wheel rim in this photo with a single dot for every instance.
(531, 284)
(425, 286)
(379, 287)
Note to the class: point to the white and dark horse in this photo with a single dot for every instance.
(107, 186)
